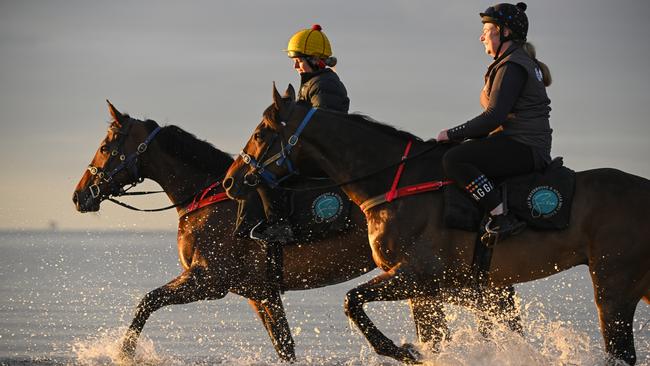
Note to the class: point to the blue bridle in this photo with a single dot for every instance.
(280, 158)
(126, 162)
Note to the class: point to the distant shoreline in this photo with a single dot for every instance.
(86, 231)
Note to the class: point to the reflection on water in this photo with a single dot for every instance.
(67, 298)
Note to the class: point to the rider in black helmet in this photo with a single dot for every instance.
(513, 135)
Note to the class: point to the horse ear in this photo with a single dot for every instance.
(290, 93)
(117, 116)
(277, 98)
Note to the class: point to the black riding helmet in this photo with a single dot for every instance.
(508, 15)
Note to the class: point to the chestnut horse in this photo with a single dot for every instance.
(214, 261)
(609, 231)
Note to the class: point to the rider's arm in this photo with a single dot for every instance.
(508, 83)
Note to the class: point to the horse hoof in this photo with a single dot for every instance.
(410, 354)
(127, 352)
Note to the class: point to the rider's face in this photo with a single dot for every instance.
(490, 38)
(301, 65)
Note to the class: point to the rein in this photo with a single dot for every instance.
(282, 157)
(193, 203)
(361, 177)
(252, 178)
(130, 163)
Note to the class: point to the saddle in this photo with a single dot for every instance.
(542, 199)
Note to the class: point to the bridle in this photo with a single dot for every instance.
(258, 169)
(128, 163)
(205, 196)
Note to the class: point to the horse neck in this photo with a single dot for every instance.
(180, 179)
(354, 150)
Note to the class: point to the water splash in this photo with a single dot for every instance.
(104, 349)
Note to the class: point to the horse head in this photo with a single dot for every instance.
(267, 155)
(115, 164)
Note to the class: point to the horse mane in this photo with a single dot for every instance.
(369, 121)
(271, 114)
(199, 154)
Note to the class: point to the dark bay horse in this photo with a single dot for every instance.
(609, 232)
(214, 261)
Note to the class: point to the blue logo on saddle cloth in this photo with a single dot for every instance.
(544, 202)
(326, 207)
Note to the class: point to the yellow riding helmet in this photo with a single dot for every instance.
(310, 42)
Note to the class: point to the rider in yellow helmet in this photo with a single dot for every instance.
(320, 86)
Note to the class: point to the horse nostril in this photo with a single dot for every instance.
(227, 183)
(75, 197)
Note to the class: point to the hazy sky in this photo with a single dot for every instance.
(208, 66)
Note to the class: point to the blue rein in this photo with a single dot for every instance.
(281, 158)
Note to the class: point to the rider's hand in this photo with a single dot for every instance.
(442, 136)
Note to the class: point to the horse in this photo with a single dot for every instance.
(215, 261)
(609, 230)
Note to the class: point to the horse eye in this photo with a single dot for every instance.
(257, 136)
(103, 149)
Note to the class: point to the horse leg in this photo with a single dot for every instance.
(616, 306)
(498, 303)
(271, 312)
(192, 285)
(430, 322)
(388, 286)
(616, 325)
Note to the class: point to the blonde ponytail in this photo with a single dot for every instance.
(546, 73)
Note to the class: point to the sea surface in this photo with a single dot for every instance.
(66, 298)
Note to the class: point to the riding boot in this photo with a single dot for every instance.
(249, 214)
(277, 227)
(498, 227)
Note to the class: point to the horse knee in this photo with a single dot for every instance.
(151, 302)
(352, 303)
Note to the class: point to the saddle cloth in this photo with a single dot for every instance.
(542, 199)
(316, 214)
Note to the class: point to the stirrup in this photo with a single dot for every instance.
(266, 237)
(252, 234)
(490, 237)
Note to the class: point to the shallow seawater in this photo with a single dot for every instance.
(66, 298)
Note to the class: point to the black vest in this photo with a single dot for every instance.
(324, 89)
(528, 121)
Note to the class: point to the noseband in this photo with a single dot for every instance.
(258, 169)
(130, 163)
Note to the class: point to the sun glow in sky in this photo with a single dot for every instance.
(207, 66)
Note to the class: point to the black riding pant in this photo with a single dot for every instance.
(475, 164)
